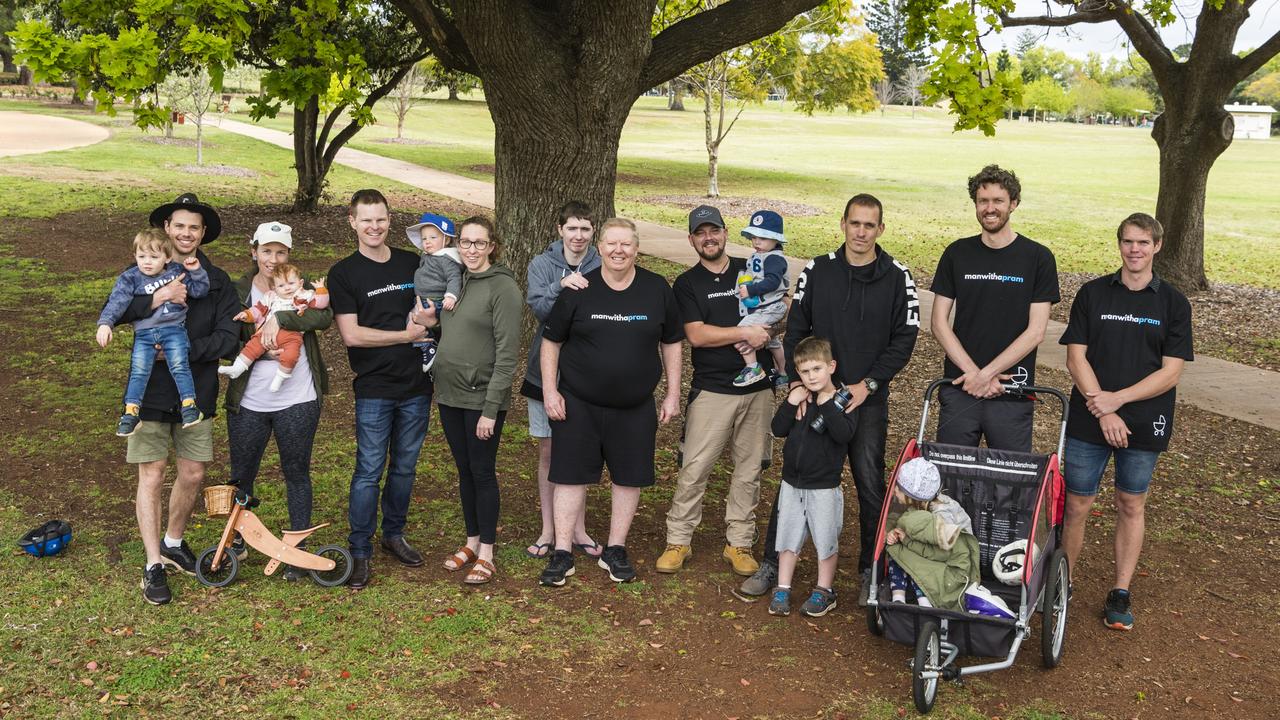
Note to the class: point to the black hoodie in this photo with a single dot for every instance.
(872, 326)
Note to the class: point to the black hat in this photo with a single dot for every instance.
(704, 215)
(189, 201)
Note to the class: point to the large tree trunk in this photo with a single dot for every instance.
(675, 95)
(452, 84)
(1193, 131)
(306, 158)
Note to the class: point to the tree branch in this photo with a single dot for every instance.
(440, 34)
(1249, 64)
(1092, 16)
(353, 127)
(701, 37)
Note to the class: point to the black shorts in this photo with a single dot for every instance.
(592, 436)
(1004, 422)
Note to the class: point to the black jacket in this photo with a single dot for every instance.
(813, 460)
(872, 326)
(214, 335)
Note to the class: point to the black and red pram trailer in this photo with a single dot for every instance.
(1009, 496)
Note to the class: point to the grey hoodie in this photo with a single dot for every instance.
(544, 276)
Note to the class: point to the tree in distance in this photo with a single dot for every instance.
(1193, 80)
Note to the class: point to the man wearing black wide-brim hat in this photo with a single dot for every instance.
(189, 224)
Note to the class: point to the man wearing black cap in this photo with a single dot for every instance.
(189, 223)
(718, 413)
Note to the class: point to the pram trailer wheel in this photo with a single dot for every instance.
(924, 690)
(1053, 617)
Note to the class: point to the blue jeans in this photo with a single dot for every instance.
(384, 426)
(176, 345)
(1084, 463)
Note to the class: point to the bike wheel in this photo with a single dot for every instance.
(1053, 617)
(225, 573)
(341, 570)
(928, 658)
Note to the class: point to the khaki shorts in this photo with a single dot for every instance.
(153, 439)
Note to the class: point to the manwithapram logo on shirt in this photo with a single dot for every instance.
(1158, 426)
(618, 317)
(1130, 318)
(997, 277)
(390, 288)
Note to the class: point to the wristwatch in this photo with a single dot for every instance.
(872, 385)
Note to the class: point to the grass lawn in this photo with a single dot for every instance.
(1078, 181)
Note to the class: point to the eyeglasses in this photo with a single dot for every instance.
(477, 244)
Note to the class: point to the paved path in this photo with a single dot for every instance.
(28, 133)
(1226, 388)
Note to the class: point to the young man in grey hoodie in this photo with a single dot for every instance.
(562, 265)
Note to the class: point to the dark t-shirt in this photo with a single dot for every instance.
(380, 295)
(706, 297)
(1127, 335)
(993, 292)
(610, 338)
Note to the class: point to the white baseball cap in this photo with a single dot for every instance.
(273, 232)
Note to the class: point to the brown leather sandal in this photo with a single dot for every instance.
(461, 557)
(481, 573)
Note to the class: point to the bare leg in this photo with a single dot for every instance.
(546, 495)
(786, 567)
(569, 501)
(182, 499)
(1078, 507)
(827, 571)
(625, 502)
(483, 550)
(150, 483)
(1130, 526)
(749, 357)
(779, 361)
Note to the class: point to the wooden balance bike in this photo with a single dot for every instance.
(329, 565)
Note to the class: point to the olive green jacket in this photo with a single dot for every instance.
(308, 323)
(480, 343)
(942, 558)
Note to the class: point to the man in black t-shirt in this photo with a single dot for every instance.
(1001, 285)
(371, 293)
(600, 365)
(1127, 341)
(717, 411)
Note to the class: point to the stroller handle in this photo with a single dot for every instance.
(1009, 389)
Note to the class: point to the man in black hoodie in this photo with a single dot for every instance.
(864, 302)
(189, 224)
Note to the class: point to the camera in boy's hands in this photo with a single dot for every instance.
(841, 399)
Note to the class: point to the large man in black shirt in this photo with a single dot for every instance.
(1129, 336)
(1001, 285)
(371, 293)
(864, 303)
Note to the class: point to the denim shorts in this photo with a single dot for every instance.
(1084, 463)
(539, 423)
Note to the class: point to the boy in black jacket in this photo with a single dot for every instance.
(810, 501)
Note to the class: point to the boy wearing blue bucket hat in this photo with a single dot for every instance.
(438, 281)
(762, 291)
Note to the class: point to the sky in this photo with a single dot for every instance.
(1109, 41)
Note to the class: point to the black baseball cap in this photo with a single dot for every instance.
(704, 215)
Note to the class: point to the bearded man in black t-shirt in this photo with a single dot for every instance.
(1127, 341)
(1001, 285)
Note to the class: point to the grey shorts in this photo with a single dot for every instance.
(539, 423)
(810, 513)
(767, 316)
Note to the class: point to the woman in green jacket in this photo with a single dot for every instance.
(474, 369)
(292, 414)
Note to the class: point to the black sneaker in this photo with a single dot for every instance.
(128, 425)
(614, 559)
(180, 557)
(155, 585)
(559, 567)
(1118, 612)
(238, 547)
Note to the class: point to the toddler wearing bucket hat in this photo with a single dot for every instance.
(438, 281)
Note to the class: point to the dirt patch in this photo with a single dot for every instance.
(737, 206)
(216, 169)
(63, 173)
(408, 141)
(170, 142)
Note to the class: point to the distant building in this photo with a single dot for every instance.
(1253, 122)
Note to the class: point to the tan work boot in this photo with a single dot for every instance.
(673, 558)
(740, 558)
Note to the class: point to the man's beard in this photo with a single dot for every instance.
(702, 253)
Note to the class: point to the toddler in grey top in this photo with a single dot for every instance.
(438, 281)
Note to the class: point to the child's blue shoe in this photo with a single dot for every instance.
(750, 375)
(191, 415)
(820, 603)
(781, 602)
(428, 355)
(128, 425)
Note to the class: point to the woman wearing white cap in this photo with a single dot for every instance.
(255, 412)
